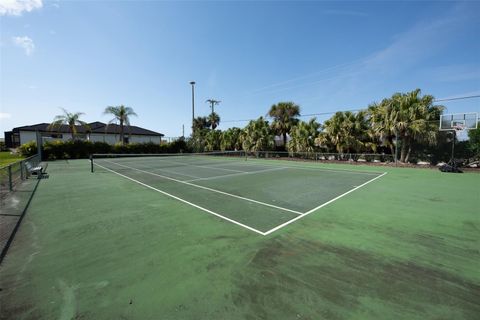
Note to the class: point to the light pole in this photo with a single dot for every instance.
(193, 102)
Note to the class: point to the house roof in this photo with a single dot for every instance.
(94, 127)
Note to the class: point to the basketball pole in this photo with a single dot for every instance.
(452, 159)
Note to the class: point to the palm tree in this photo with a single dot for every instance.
(417, 122)
(257, 136)
(409, 116)
(212, 140)
(200, 123)
(303, 136)
(214, 118)
(347, 131)
(122, 115)
(200, 128)
(230, 139)
(382, 122)
(72, 120)
(284, 116)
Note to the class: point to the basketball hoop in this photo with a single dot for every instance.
(457, 124)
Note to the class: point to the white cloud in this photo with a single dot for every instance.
(25, 43)
(17, 7)
(4, 115)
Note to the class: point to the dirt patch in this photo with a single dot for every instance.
(333, 282)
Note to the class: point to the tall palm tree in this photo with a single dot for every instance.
(212, 140)
(230, 139)
(213, 116)
(200, 128)
(417, 122)
(303, 136)
(347, 131)
(382, 117)
(122, 115)
(71, 119)
(284, 116)
(409, 116)
(214, 120)
(200, 123)
(257, 136)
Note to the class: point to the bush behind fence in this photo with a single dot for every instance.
(79, 149)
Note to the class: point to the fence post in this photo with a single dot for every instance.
(10, 182)
(21, 170)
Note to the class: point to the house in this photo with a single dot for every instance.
(96, 132)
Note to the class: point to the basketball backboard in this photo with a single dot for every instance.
(454, 121)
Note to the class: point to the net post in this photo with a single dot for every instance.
(91, 163)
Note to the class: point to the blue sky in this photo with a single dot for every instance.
(325, 56)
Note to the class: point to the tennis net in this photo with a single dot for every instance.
(167, 160)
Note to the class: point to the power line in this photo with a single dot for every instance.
(300, 116)
(353, 110)
(457, 98)
(329, 112)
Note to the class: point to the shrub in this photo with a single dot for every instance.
(3, 147)
(79, 149)
(28, 149)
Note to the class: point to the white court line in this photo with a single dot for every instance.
(320, 206)
(184, 201)
(190, 165)
(256, 162)
(168, 170)
(209, 189)
(237, 174)
(177, 173)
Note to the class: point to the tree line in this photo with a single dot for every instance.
(409, 120)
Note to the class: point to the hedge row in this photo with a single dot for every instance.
(80, 149)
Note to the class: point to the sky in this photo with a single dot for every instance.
(324, 56)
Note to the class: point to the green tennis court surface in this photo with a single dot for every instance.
(101, 246)
(259, 196)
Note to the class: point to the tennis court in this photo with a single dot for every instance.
(102, 246)
(262, 197)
